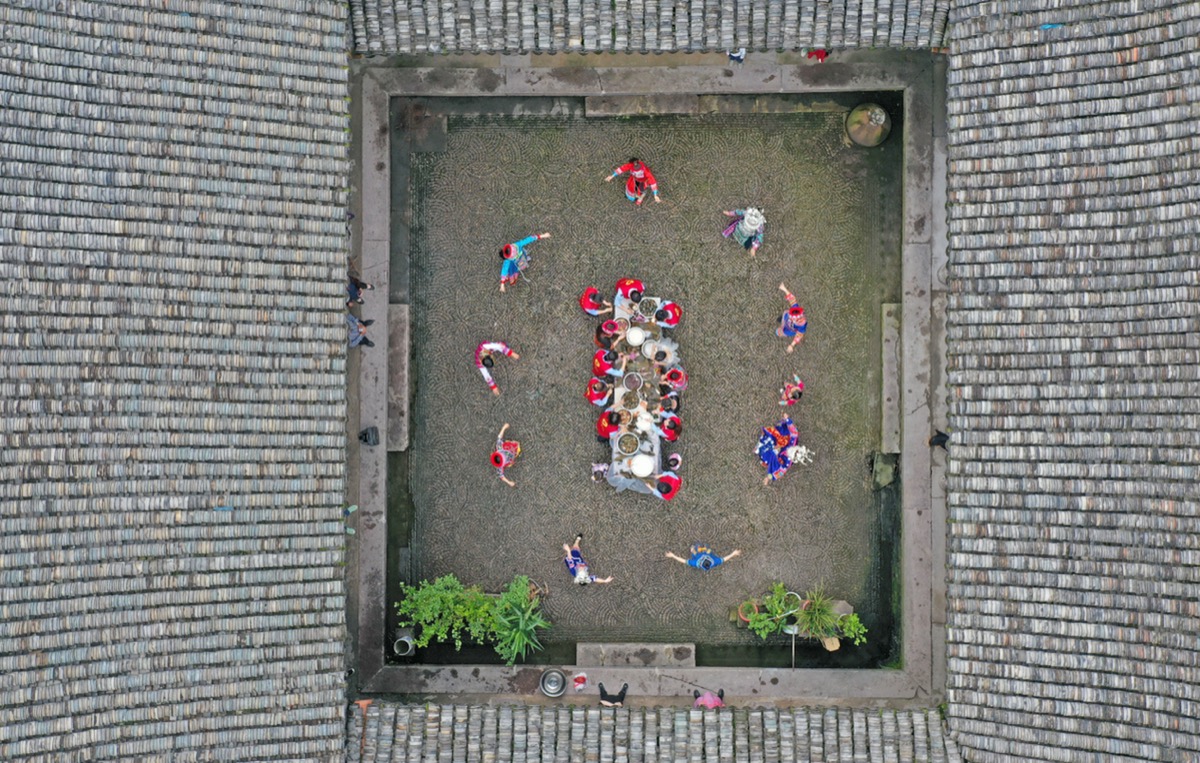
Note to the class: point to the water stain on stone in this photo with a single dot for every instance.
(487, 80)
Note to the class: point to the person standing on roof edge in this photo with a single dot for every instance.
(641, 180)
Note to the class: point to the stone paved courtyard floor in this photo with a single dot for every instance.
(832, 235)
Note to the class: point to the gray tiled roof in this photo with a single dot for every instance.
(1074, 176)
(172, 244)
(643, 26)
(395, 733)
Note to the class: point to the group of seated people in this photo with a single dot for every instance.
(609, 366)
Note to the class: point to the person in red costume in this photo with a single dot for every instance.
(604, 363)
(668, 315)
(608, 423)
(641, 180)
(631, 289)
(592, 303)
(598, 392)
(667, 485)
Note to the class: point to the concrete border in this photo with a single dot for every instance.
(921, 678)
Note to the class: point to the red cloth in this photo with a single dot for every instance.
(603, 428)
(818, 54)
(626, 285)
(590, 301)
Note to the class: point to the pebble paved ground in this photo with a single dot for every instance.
(833, 213)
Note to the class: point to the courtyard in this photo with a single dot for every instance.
(832, 236)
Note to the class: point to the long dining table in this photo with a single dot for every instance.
(636, 393)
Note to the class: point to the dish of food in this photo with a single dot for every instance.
(630, 400)
(642, 465)
(622, 323)
(627, 444)
(648, 306)
(635, 336)
(632, 381)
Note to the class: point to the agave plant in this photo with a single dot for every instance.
(817, 618)
(516, 620)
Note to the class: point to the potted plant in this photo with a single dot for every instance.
(777, 605)
(517, 618)
(445, 610)
(817, 619)
(852, 628)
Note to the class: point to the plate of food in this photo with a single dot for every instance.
(630, 400)
(632, 381)
(635, 336)
(648, 306)
(627, 444)
(622, 324)
(642, 465)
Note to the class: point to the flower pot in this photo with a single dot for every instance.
(744, 612)
(404, 645)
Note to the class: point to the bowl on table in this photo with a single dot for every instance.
(642, 465)
(648, 306)
(632, 381)
(635, 336)
(622, 324)
(627, 444)
(630, 400)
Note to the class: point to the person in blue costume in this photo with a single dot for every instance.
(515, 259)
(778, 448)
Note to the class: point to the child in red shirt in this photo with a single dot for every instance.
(591, 302)
(670, 427)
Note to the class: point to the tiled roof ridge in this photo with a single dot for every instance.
(650, 26)
(404, 733)
(1072, 350)
(173, 185)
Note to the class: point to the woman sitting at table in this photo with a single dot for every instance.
(667, 315)
(599, 392)
(668, 402)
(777, 448)
(669, 427)
(666, 485)
(603, 363)
(675, 379)
(607, 425)
(607, 334)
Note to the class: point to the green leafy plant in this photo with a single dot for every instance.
(445, 610)
(517, 618)
(773, 615)
(817, 618)
(853, 629)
